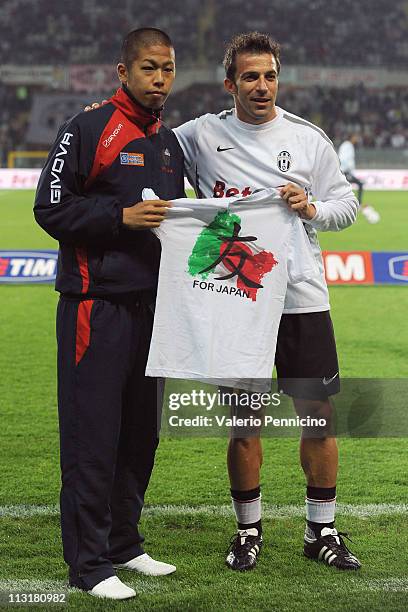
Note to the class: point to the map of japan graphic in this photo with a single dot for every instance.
(221, 251)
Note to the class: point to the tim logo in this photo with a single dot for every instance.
(284, 161)
(132, 159)
(28, 266)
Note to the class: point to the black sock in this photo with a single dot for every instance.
(317, 527)
(257, 525)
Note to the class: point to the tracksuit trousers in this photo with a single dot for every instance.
(109, 426)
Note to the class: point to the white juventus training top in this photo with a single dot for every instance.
(225, 156)
(224, 270)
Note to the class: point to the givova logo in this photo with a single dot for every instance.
(108, 140)
(28, 266)
(57, 167)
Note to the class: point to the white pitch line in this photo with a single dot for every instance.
(280, 512)
(142, 584)
(39, 586)
(27, 511)
(152, 585)
(269, 511)
(391, 585)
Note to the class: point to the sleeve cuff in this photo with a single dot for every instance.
(318, 221)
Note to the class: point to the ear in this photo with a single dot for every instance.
(230, 86)
(122, 73)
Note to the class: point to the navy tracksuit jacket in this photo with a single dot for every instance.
(107, 276)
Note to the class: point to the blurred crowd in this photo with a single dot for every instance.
(324, 32)
(14, 116)
(327, 32)
(379, 116)
(319, 32)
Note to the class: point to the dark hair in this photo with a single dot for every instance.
(250, 42)
(142, 37)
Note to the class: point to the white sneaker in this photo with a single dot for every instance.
(144, 564)
(112, 588)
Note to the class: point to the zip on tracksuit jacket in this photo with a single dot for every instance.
(98, 165)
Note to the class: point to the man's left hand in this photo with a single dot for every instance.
(297, 201)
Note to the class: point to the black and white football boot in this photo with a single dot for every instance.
(244, 549)
(330, 549)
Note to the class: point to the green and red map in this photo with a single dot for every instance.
(220, 244)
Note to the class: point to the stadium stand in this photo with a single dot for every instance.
(14, 116)
(76, 32)
(332, 33)
(380, 115)
(73, 35)
(328, 33)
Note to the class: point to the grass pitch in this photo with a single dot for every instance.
(187, 519)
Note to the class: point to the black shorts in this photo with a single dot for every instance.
(306, 357)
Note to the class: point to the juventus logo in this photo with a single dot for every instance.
(166, 157)
(284, 161)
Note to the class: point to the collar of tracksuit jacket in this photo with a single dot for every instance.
(146, 118)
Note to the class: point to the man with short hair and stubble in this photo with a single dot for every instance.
(257, 145)
(89, 199)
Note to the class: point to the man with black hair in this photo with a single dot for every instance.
(258, 145)
(253, 146)
(89, 199)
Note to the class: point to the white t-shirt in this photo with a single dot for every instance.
(226, 156)
(224, 269)
(347, 156)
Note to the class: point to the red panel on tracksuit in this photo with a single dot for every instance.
(124, 126)
(82, 258)
(118, 132)
(83, 330)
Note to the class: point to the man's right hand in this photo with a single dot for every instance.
(144, 215)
